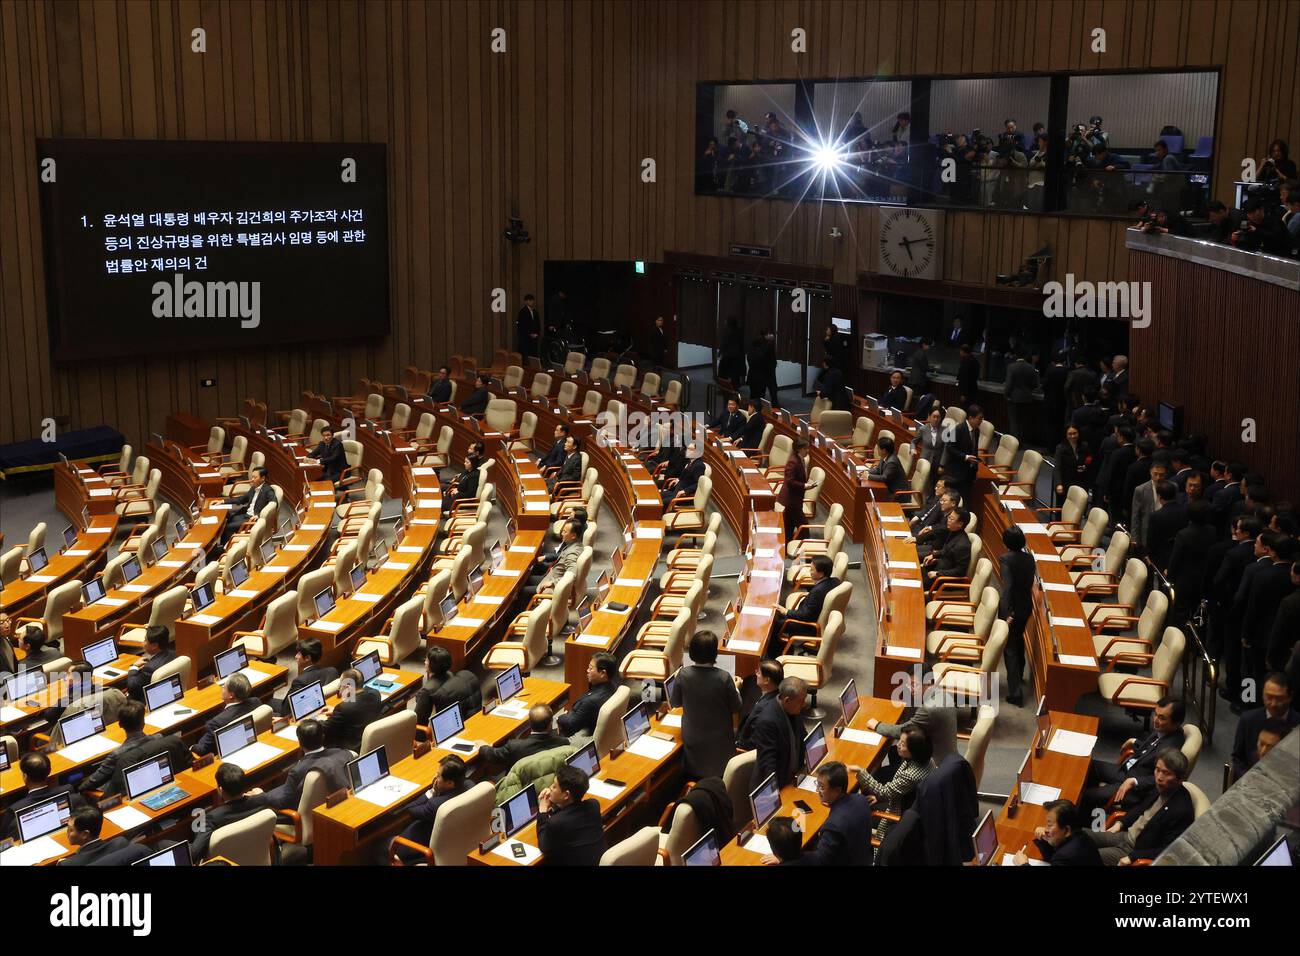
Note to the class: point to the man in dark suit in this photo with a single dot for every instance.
(1016, 569)
(528, 328)
(751, 433)
(307, 654)
(1268, 587)
(968, 375)
(959, 460)
(569, 829)
(555, 455)
(332, 762)
(238, 700)
(659, 342)
(1286, 625)
(1080, 381)
(890, 470)
(540, 737)
(769, 677)
(442, 687)
(777, 735)
(476, 403)
(691, 474)
(464, 485)
(84, 827)
(158, 651)
(571, 464)
(551, 568)
(1018, 388)
(237, 802)
(957, 335)
(1277, 697)
(440, 388)
(844, 838)
(928, 714)
(762, 368)
(249, 504)
(447, 785)
(360, 707)
(896, 395)
(329, 452)
(1164, 524)
(1114, 471)
(602, 678)
(137, 746)
(35, 769)
(810, 608)
(1187, 561)
(919, 375)
(933, 514)
(830, 385)
(953, 558)
(729, 421)
(1062, 839)
(1145, 831)
(1130, 780)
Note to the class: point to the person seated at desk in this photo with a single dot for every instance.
(1062, 840)
(36, 649)
(692, 472)
(1131, 781)
(1277, 706)
(932, 512)
(602, 676)
(751, 433)
(238, 700)
(929, 714)
(450, 783)
(332, 762)
(306, 654)
(896, 395)
(571, 466)
(1271, 733)
(786, 843)
(552, 567)
(569, 827)
(932, 536)
(442, 688)
(440, 387)
(768, 678)
(250, 503)
(540, 737)
(844, 838)
(84, 694)
(359, 707)
(810, 608)
(464, 485)
(477, 402)
(1155, 822)
(237, 802)
(730, 421)
(329, 452)
(953, 558)
(890, 470)
(138, 746)
(778, 735)
(157, 652)
(895, 795)
(8, 659)
(84, 828)
(829, 385)
(35, 770)
(556, 454)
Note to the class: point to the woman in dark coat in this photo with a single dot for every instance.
(793, 486)
(710, 703)
(1073, 461)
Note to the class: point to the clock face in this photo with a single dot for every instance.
(907, 243)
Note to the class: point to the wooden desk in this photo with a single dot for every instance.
(749, 631)
(31, 708)
(1052, 769)
(893, 574)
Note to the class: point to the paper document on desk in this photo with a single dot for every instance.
(1056, 586)
(1038, 794)
(242, 593)
(599, 788)
(1046, 558)
(331, 626)
(128, 817)
(1009, 859)
(757, 611)
(591, 640)
(46, 579)
(273, 569)
(760, 573)
(32, 852)
(465, 622)
(1077, 660)
(207, 620)
(8, 713)
(511, 710)
(164, 717)
(135, 588)
(1065, 621)
(254, 675)
(912, 652)
(368, 598)
(672, 720)
(92, 746)
(289, 733)
(807, 782)
(76, 554)
(1072, 743)
(1029, 527)
(505, 572)
(748, 647)
(172, 564)
(652, 748)
(386, 792)
(111, 602)
(506, 852)
(897, 534)
(758, 844)
(252, 755)
(854, 736)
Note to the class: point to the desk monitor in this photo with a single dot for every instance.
(520, 810)
(163, 692)
(368, 768)
(37, 560)
(357, 577)
(306, 701)
(85, 517)
(1279, 854)
(635, 723)
(178, 854)
(602, 587)
(147, 775)
(324, 601)
(586, 760)
(230, 662)
(814, 748)
(69, 536)
(236, 735)
(509, 683)
(704, 852)
(239, 573)
(669, 684)
(446, 724)
(510, 530)
(268, 551)
(369, 666)
(448, 607)
(92, 591)
(849, 700)
(4, 759)
(101, 653)
(44, 817)
(202, 597)
(986, 840)
(80, 726)
(399, 531)
(765, 800)
(498, 555)
(618, 561)
(25, 684)
(131, 569)
(475, 581)
(159, 547)
(182, 528)
(584, 615)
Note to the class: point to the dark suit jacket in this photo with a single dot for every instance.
(691, 475)
(1165, 827)
(331, 762)
(241, 708)
(440, 391)
(253, 500)
(465, 485)
(955, 465)
(517, 748)
(890, 472)
(810, 608)
(709, 702)
(137, 681)
(108, 775)
(894, 398)
(845, 838)
(1021, 380)
(331, 457)
(777, 738)
(1286, 628)
(581, 717)
(1268, 586)
(317, 672)
(954, 556)
(752, 432)
(572, 835)
(745, 737)
(9, 827)
(1163, 525)
(350, 718)
(968, 375)
(458, 687)
(1078, 850)
(232, 811)
(1243, 742)
(830, 384)
(554, 456)
(424, 811)
(1141, 764)
(571, 470)
(93, 853)
(476, 403)
(1016, 569)
(729, 423)
(527, 324)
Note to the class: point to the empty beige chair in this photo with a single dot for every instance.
(819, 407)
(987, 433)
(501, 415)
(295, 425)
(673, 392)
(653, 663)
(1118, 601)
(599, 368)
(813, 491)
(247, 842)
(180, 667)
(374, 409)
(1089, 536)
(144, 546)
(401, 419)
(208, 574)
(138, 503)
(815, 670)
(573, 363)
(460, 570)
(59, 601)
(977, 747)
(1093, 576)
(278, 632)
(527, 429)
(432, 593)
(683, 832)
(640, 849)
(353, 454)
(161, 519)
(462, 823)
(609, 721)
(11, 565)
(782, 448)
(1137, 692)
(964, 645)
(233, 464)
(395, 733)
(688, 557)
(864, 431)
(403, 634)
(541, 386)
(370, 492)
(836, 424)
(568, 394)
(1132, 639)
(513, 377)
(1193, 740)
(692, 517)
(138, 476)
(650, 386)
(955, 413)
(591, 403)
(625, 376)
(216, 442)
(944, 611)
(967, 684)
(36, 539)
(1005, 454)
(309, 585)
(435, 454)
(525, 653)
(735, 777)
(59, 665)
(1071, 512)
(263, 717)
(119, 468)
(314, 438)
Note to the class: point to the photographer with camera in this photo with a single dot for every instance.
(1223, 222)
(1260, 232)
(958, 149)
(1279, 164)
(1095, 135)
(1010, 159)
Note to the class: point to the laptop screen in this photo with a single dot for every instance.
(306, 700)
(4, 758)
(24, 684)
(182, 529)
(69, 536)
(765, 801)
(45, 817)
(92, 591)
(586, 760)
(498, 555)
(669, 684)
(159, 548)
(618, 561)
(36, 561)
(231, 661)
(703, 853)
(268, 551)
(520, 810)
(239, 572)
(163, 692)
(147, 775)
(509, 683)
(369, 666)
(202, 596)
(814, 747)
(357, 576)
(635, 723)
(448, 607)
(80, 726)
(324, 602)
(475, 581)
(368, 768)
(178, 854)
(447, 723)
(131, 569)
(236, 735)
(986, 840)
(100, 653)
(849, 700)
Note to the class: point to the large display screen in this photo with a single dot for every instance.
(155, 246)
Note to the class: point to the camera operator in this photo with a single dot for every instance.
(1279, 164)
(1037, 165)
(1164, 222)
(1095, 135)
(734, 127)
(1260, 232)
(1010, 158)
(1223, 222)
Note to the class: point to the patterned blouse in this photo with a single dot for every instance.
(894, 796)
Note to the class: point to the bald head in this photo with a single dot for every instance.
(539, 718)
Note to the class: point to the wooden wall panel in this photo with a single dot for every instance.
(554, 131)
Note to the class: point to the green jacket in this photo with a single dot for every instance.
(539, 769)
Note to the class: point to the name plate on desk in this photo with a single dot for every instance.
(765, 552)
(1065, 621)
(911, 652)
(896, 534)
(892, 519)
(396, 566)
(747, 647)
(901, 565)
(295, 547)
(46, 579)
(135, 588)
(313, 527)
(904, 583)
(207, 620)
(757, 611)
(322, 494)
(1031, 527)
(332, 626)
(465, 622)
(536, 492)
(368, 598)
(242, 593)
(188, 545)
(100, 492)
(424, 521)
(854, 736)
(219, 505)
(1055, 586)
(649, 532)
(538, 506)
(208, 519)
(627, 583)
(764, 573)
(111, 602)
(1077, 660)
(489, 599)
(1046, 558)
(273, 569)
(521, 549)
(172, 564)
(410, 549)
(531, 853)
(593, 640)
(76, 554)
(424, 471)
(428, 503)
(642, 481)
(505, 573)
